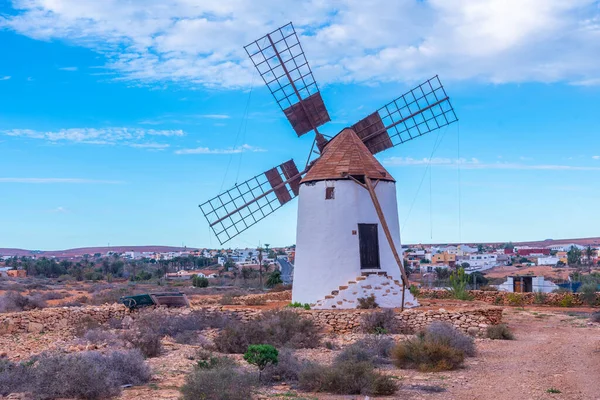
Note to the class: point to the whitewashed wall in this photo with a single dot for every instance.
(327, 253)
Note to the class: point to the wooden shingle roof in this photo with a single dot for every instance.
(346, 155)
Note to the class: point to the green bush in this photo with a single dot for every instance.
(459, 281)
(567, 301)
(274, 279)
(199, 281)
(297, 304)
(261, 355)
(515, 299)
(414, 291)
(367, 302)
(499, 332)
(588, 293)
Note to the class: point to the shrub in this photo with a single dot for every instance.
(199, 281)
(415, 291)
(595, 317)
(515, 299)
(218, 384)
(274, 279)
(367, 302)
(379, 322)
(446, 334)
(499, 332)
(458, 285)
(427, 356)
(227, 300)
(146, 340)
(540, 297)
(261, 355)
(87, 375)
(488, 288)
(13, 301)
(14, 377)
(346, 378)
(280, 287)
(297, 304)
(210, 362)
(567, 301)
(96, 336)
(287, 368)
(375, 350)
(278, 328)
(588, 293)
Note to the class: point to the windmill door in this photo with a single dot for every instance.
(369, 246)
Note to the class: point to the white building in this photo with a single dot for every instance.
(548, 260)
(430, 268)
(525, 284)
(481, 262)
(341, 249)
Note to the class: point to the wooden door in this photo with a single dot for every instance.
(369, 246)
(518, 286)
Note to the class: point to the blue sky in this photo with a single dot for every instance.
(118, 118)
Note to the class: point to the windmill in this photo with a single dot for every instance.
(346, 197)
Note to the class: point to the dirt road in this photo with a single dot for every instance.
(553, 352)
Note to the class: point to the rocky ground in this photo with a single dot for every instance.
(554, 349)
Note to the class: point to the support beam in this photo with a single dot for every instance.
(388, 234)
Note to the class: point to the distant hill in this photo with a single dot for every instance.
(89, 250)
(593, 241)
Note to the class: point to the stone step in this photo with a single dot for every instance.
(335, 292)
(351, 282)
(329, 297)
(360, 278)
(343, 287)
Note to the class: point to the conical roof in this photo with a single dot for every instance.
(346, 155)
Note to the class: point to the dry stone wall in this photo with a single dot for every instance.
(512, 299)
(473, 321)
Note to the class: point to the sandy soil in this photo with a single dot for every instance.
(554, 349)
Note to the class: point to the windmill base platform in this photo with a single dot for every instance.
(387, 292)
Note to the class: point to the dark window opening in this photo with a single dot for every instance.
(329, 193)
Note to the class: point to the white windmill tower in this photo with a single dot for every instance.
(348, 236)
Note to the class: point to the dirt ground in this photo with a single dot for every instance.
(555, 348)
(542, 270)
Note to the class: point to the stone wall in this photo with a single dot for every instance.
(473, 321)
(250, 299)
(512, 299)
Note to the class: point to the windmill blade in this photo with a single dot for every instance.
(242, 206)
(279, 58)
(417, 112)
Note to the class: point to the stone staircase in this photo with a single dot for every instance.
(387, 292)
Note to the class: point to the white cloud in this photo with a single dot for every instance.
(152, 146)
(104, 136)
(5, 78)
(596, 157)
(58, 180)
(59, 210)
(201, 42)
(70, 69)
(474, 163)
(231, 150)
(215, 116)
